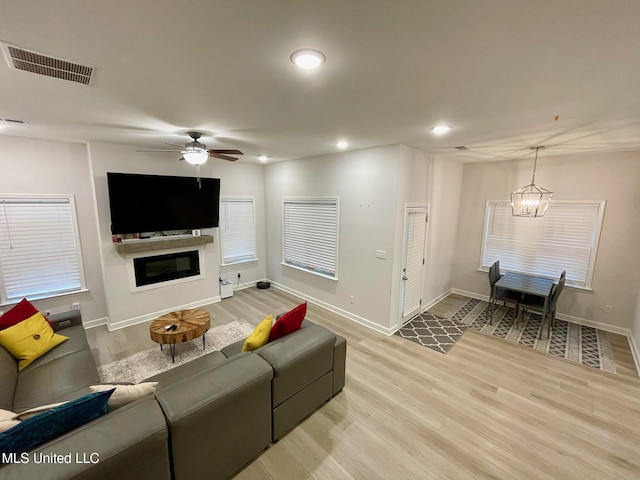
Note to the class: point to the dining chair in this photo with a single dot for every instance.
(536, 304)
(498, 294)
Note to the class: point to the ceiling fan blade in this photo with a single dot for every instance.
(212, 153)
(174, 145)
(227, 152)
(152, 151)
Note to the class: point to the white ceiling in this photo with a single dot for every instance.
(498, 71)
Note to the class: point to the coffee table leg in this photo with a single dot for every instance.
(203, 342)
(172, 347)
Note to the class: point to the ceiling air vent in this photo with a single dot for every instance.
(462, 147)
(33, 62)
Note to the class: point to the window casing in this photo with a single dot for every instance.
(566, 238)
(40, 253)
(237, 230)
(310, 235)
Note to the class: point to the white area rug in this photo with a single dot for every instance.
(150, 362)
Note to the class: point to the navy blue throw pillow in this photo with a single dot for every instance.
(54, 422)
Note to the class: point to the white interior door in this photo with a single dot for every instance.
(414, 263)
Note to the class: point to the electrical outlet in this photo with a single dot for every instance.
(75, 306)
(608, 308)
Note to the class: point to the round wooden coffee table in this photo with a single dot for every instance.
(189, 324)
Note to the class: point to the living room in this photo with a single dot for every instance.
(56, 152)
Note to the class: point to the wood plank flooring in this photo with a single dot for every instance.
(487, 409)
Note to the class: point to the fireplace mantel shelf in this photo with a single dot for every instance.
(161, 243)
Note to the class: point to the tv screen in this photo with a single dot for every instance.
(153, 203)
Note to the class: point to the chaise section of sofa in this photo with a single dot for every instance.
(219, 417)
(308, 369)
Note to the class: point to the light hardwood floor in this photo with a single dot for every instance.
(487, 409)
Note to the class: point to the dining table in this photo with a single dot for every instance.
(527, 284)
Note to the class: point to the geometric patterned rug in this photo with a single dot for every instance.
(576, 343)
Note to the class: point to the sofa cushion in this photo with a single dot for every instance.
(65, 379)
(30, 339)
(8, 379)
(19, 312)
(259, 336)
(77, 343)
(185, 370)
(288, 322)
(298, 360)
(54, 422)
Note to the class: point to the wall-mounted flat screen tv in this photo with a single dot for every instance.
(154, 203)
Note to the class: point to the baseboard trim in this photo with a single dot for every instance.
(151, 316)
(634, 351)
(336, 310)
(95, 322)
(440, 297)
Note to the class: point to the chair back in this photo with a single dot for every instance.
(494, 274)
(557, 291)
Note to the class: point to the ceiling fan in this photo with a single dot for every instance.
(197, 153)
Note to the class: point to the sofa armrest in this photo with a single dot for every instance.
(220, 418)
(65, 319)
(128, 443)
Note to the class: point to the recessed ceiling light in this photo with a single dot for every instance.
(441, 129)
(263, 158)
(307, 58)
(342, 144)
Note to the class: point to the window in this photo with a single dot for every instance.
(310, 235)
(566, 238)
(39, 248)
(237, 230)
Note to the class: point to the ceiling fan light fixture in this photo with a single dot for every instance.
(307, 58)
(195, 157)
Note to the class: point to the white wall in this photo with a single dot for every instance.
(603, 176)
(374, 186)
(35, 166)
(366, 183)
(126, 307)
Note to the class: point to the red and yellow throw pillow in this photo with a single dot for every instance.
(19, 312)
(288, 322)
(28, 340)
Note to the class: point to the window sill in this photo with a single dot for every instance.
(44, 297)
(239, 262)
(323, 275)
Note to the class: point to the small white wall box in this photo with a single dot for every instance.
(226, 289)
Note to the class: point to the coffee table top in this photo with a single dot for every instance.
(190, 324)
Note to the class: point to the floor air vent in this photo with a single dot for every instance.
(33, 62)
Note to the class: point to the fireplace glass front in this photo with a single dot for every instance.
(162, 268)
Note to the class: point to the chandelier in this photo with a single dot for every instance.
(531, 200)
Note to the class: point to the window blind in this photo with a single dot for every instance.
(310, 237)
(565, 238)
(237, 230)
(39, 250)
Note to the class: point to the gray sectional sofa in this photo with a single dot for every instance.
(208, 418)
